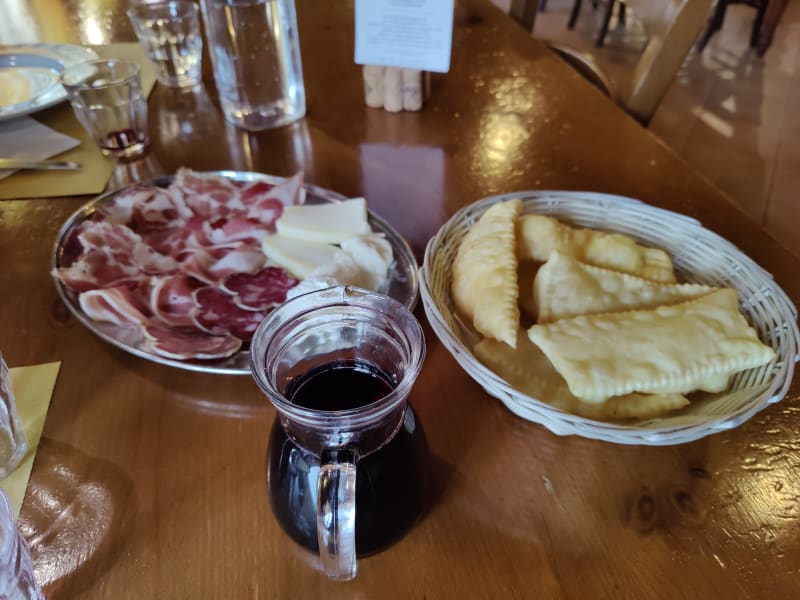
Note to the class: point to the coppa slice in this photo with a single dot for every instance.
(485, 273)
(218, 314)
(325, 223)
(261, 291)
(670, 349)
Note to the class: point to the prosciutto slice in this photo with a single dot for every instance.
(124, 247)
(208, 196)
(182, 344)
(97, 269)
(113, 305)
(120, 211)
(215, 264)
(172, 300)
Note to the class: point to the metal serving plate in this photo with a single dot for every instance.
(402, 283)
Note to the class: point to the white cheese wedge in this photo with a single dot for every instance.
(325, 223)
(373, 255)
(363, 262)
(300, 258)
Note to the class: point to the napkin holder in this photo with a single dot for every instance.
(395, 89)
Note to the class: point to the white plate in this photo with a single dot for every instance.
(29, 76)
(698, 255)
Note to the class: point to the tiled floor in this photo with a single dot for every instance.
(734, 116)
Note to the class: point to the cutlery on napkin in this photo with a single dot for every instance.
(27, 139)
(17, 163)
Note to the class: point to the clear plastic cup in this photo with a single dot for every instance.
(13, 444)
(169, 32)
(16, 568)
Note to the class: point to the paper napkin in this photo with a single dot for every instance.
(33, 388)
(27, 139)
(93, 177)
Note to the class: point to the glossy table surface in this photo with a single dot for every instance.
(150, 481)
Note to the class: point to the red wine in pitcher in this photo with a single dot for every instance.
(390, 482)
(340, 385)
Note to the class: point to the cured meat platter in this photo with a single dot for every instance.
(401, 282)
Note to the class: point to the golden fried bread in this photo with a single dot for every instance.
(528, 370)
(538, 236)
(565, 287)
(670, 349)
(484, 283)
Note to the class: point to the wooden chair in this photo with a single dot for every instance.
(662, 59)
(610, 4)
(524, 12)
(658, 64)
(715, 23)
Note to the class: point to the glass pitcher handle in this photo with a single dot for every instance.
(336, 513)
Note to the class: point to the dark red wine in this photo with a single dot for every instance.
(391, 483)
(123, 138)
(340, 386)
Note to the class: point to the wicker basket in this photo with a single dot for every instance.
(699, 256)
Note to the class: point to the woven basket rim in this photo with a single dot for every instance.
(567, 423)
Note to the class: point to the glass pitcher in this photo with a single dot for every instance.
(347, 463)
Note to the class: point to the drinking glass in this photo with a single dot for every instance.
(170, 35)
(107, 98)
(13, 444)
(347, 458)
(16, 569)
(255, 52)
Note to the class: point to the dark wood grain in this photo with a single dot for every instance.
(150, 481)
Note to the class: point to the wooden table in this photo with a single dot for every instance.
(150, 481)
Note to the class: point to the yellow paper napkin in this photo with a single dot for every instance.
(96, 171)
(33, 388)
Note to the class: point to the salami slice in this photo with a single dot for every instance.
(189, 343)
(218, 314)
(261, 291)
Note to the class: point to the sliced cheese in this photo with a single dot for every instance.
(298, 257)
(325, 223)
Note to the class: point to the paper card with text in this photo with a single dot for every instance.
(413, 34)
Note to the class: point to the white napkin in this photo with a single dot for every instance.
(28, 139)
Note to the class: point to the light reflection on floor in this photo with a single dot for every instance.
(729, 113)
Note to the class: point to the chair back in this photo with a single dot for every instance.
(524, 12)
(586, 67)
(663, 57)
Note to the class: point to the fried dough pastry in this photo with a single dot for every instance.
(539, 235)
(528, 370)
(485, 273)
(671, 349)
(565, 287)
